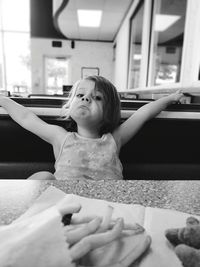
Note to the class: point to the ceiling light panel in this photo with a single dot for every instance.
(163, 22)
(89, 18)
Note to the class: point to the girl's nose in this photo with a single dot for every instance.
(86, 98)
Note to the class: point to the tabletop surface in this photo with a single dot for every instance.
(17, 196)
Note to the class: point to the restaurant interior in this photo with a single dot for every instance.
(147, 49)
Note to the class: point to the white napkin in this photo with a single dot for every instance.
(36, 241)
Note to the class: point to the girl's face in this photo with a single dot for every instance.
(86, 108)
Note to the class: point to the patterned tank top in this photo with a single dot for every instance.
(82, 157)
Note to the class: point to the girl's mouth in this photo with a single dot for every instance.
(84, 107)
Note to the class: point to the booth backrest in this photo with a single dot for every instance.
(164, 149)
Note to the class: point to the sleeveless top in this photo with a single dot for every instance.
(82, 157)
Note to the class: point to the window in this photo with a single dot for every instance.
(169, 46)
(18, 62)
(1, 64)
(56, 74)
(167, 41)
(15, 59)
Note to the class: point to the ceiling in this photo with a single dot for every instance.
(66, 21)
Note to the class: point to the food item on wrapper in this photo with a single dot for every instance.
(187, 242)
(192, 221)
(190, 257)
(36, 241)
(189, 235)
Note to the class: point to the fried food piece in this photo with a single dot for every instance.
(187, 242)
(189, 235)
(172, 236)
(190, 257)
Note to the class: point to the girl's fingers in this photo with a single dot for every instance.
(178, 95)
(94, 241)
(75, 235)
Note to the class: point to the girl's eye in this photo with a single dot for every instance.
(79, 95)
(98, 97)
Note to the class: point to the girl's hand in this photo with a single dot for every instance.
(175, 97)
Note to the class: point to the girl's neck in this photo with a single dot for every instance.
(87, 133)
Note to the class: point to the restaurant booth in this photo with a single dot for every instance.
(167, 147)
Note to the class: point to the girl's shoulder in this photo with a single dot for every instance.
(60, 141)
(115, 138)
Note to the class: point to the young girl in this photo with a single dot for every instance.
(92, 150)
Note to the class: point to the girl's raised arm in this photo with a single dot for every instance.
(31, 122)
(132, 125)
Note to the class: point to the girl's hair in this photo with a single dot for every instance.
(111, 103)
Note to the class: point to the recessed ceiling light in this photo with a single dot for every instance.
(89, 18)
(164, 21)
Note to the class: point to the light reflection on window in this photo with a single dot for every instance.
(18, 62)
(167, 41)
(15, 59)
(1, 63)
(15, 15)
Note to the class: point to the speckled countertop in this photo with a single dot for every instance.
(17, 196)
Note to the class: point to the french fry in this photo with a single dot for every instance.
(134, 254)
(97, 240)
(74, 235)
(106, 219)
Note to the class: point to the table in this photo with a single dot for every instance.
(16, 196)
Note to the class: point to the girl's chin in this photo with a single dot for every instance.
(81, 114)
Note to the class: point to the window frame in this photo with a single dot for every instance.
(190, 66)
(130, 49)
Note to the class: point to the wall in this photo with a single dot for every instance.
(84, 54)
